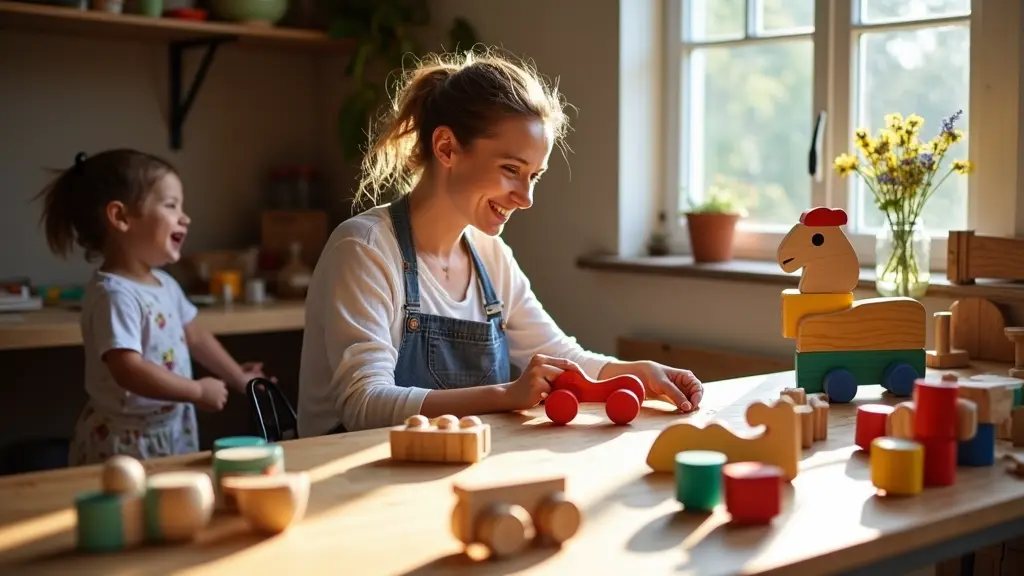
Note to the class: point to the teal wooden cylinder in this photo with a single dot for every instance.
(699, 479)
(237, 441)
(109, 522)
(244, 460)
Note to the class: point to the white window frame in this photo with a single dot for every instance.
(994, 28)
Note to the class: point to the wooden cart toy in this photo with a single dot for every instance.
(622, 396)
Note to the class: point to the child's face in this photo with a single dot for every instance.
(157, 230)
(496, 175)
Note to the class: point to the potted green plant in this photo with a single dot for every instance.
(711, 223)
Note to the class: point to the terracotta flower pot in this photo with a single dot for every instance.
(711, 235)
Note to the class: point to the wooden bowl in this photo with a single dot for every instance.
(272, 503)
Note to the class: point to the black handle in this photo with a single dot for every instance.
(819, 132)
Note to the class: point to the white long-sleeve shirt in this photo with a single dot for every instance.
(355, 321)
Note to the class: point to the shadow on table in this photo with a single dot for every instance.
(464, 563)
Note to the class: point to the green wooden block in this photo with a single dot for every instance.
(699, 479)
(867, 366)
(108, 522)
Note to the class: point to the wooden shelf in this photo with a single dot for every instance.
(72, 21)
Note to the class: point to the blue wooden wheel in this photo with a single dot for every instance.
(898, 378)
(840, 385)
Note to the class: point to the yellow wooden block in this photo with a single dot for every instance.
(796, 306)
(896, 323)
(897, 466)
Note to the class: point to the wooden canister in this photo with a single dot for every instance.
(244, 460)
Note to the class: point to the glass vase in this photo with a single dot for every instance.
(903, 257)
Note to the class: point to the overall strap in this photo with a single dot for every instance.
(492, 306)
(399, 210)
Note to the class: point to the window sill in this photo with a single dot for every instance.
(764, 272)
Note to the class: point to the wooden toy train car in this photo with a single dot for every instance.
(842, 344)
(506, 516)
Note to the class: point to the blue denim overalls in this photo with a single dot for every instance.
(438, 352)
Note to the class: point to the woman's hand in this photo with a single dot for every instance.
(534, 384)
(676, 386)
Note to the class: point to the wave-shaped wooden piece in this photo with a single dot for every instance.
(895, 323)
(778, 443)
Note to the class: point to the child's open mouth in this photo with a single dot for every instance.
(178, 238)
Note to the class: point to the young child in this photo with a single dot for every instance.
(125, 208)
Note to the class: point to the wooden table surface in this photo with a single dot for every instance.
(369, 516)
(51, 327)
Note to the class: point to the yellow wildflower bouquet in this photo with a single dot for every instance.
(900, 170)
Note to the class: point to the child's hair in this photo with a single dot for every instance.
(469, 93)
(74, 204)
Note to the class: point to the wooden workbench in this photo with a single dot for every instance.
(368, 516)
(53, 327)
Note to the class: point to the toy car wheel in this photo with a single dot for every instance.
(840, 385)
(622, 406)
(561, 406)
(505, 529)
(899, 378)
(558, 519)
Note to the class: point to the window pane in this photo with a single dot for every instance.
(923, 72)
(889, 10)
(706, 20)
(749, 126)
(779, 16)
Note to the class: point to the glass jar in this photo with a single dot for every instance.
(903, 259)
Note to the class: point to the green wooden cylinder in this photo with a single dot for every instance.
(109, 522)
(699, 479)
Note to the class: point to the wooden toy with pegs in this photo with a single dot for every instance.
(622, 396)
(842, 344)
(445, 439)
(778, 443)
(506, 516)
(943, 356)
(813, 411)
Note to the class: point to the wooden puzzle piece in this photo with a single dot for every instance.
(819, 246)
(944, 356)
(622, 396)
(445, 439)
(871, 324)
(506, 516)
(778, 443)
(978, 326)
(796, 306)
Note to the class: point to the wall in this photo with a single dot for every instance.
(63, 95)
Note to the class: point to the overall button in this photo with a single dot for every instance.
(413, 323)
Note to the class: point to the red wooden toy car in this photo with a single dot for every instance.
(622, 396)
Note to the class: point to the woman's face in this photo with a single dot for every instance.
(495, 175)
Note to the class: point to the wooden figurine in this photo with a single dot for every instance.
(897, 466)
(621, 395)
(842, 343)
(778, 444)
(506, 516)
(943, 356)
(813, 411)
(753, 492)
(978, 327)
(270, 504)
(113, 519)
(178, 505)
(445, 439)
(1015, 334)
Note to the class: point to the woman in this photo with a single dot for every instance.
(419, 307)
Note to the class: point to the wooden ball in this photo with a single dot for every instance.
(417, 421)
(470, 422)
(447, 422)
(124, 475)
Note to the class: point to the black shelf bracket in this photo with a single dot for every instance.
(180, 106)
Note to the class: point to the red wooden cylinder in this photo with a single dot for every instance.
(935, 414)
(871, 420)
(753, 491)
(939, 462)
